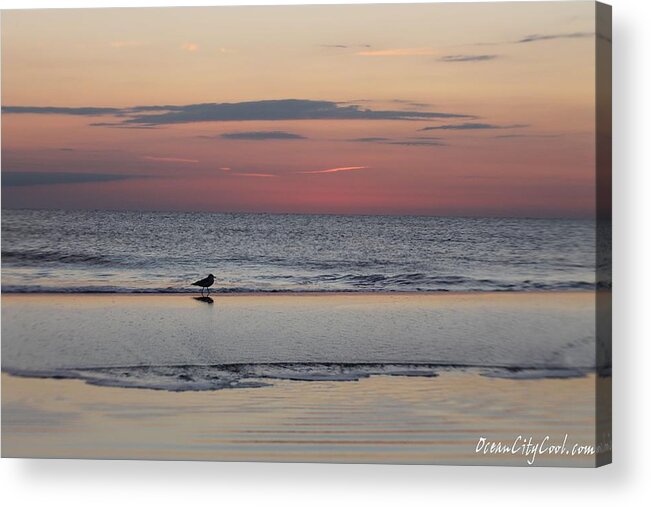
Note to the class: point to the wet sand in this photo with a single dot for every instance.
(375, 420)
(365, 419)
(50, 331)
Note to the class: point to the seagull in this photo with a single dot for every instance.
(205, 283)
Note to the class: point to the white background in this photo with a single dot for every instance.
(628, 481)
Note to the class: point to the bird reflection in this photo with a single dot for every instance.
(204, 299)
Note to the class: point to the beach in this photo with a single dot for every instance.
(375, 420)
(344, 378)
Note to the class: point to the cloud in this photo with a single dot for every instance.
(412, 141)
(410, 103)
(190, 46)
(467, 58)
(474, 126)
(74, 111)
(379, 102)
(399, 52)
(417, 143)
(171, 159)
(539, 37)
(274, 110)
(261, 135)
(33, 178)
(260, 110)
(369, 140)
(335, 170)
(121, 126)
(541, 136)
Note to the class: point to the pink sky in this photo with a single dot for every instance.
(400, 109)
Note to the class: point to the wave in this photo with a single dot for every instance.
(293, 283)
(39, 257)
(39, 289)
(66, 251)
(180, 378)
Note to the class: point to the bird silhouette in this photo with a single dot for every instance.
(205, 283)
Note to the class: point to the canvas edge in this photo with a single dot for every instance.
(603, 297)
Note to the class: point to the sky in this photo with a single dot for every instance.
(423, 109)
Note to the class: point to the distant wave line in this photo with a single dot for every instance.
(37, 289)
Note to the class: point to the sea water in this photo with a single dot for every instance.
(293, 330)
(104, 251)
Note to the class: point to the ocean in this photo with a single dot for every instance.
(58, 251)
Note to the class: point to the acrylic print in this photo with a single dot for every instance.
(344, 234)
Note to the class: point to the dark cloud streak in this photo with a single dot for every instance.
(412, 141)
(121, 126)
(369, 140)
(474, 126)
(541, 37)
(518, 136)
(33, 178)
(261, 110)
(467, 58)
(74, 111)
(275, 110)
(262, 135)
(417, 143)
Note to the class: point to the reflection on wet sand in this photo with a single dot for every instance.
(204, 299)
(378, 419)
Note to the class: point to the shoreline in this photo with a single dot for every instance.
(186, 342)
(432, 371)
(216, 293)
